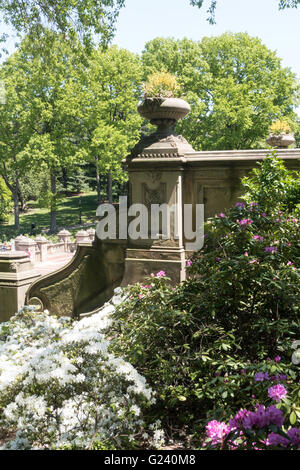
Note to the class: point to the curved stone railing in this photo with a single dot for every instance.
(84, 284)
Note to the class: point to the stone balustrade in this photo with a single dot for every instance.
(40, 248)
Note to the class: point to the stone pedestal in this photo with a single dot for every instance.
(155, 169)
(91, 232)
(42, 244)
(16, 275)
(27, 245)
(82, 237)
(65, 236)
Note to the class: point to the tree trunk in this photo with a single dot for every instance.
(98, 180)
(109, 188)
(15, 194)
(23, 203)
(53, 202)
(65, 178)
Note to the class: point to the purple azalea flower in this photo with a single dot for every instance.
(294, 435)
(271, 249)
(277, 440)
(261, 376)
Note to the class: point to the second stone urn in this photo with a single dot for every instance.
(282, 140)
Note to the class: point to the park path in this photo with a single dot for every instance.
(53, 263)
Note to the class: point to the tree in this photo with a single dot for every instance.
(35, 129)
(236, 87)
(107, 95)
(84, 18)
(5, 201)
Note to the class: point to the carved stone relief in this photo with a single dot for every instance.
(154, 196)
(214, 198)
(62, 294)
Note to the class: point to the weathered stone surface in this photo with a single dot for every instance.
(85, 283)
(16, 275)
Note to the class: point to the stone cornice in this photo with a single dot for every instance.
(240, 155)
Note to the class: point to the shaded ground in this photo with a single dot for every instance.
(68, 214)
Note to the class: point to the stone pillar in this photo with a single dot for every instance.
(65, 236)
(16, 275)
(18, 241)
(27, 245)
(42, 244)
(82, 237)
(155, 169)
(92, 233)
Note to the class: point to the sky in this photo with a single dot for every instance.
(143, 20)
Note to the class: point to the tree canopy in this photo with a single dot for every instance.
(84, 18)
(36, 129)
(61, 111)
(236, 87)
(106, 95)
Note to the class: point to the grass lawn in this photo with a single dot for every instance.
(67, 216)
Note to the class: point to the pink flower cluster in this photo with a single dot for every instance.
(217, 431)
(258, 238)
(159, 274)
(246, 222)
(277, 392)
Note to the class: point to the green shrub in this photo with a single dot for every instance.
(6, 204)
(239, 307)
(272, 185)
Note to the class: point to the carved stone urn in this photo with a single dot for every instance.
(282, 140)
(159, 109)
(164, 142)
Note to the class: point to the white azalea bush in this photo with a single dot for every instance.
(60, 388)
